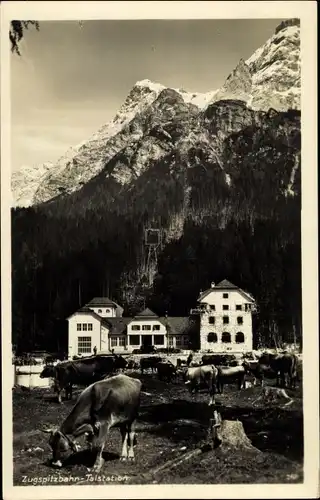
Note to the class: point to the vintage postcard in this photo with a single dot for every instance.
(159, 250)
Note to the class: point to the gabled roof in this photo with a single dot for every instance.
(226, 285)
(146, 313)
(102, 301)
(105, 302)
(85, 310)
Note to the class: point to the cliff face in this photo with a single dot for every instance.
(153, 119)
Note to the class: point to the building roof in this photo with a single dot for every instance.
(117, 325)
(146, 313)
(177, 325)
(105, 302)
(102, 301)
(85, 310)
(226, 285)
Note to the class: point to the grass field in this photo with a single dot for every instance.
(171, 422)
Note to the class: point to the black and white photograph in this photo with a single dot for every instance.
(159, 237)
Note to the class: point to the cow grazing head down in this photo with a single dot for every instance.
(60, 445)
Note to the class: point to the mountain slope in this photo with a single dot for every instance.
(270, 78)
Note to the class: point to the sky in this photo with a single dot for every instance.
(70, 80)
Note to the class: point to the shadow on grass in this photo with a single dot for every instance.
(269, 429)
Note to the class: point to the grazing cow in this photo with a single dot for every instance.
(284, 365)
(149, 362)
(84, 371)
(166, 371)
(202, 376)
(112, 402)
(229, 375)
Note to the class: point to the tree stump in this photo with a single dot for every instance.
(231, 434)
(273, 394)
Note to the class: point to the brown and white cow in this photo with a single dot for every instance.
(112, 402)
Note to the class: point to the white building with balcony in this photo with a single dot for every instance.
(225, 312)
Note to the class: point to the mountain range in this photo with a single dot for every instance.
(270, 78)
(217, 173)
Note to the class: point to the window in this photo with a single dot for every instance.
(84, 327)
(159, 340)
(213, 307)
(156, 328)
(79, 327)
(108, 311)
(178, 340)
(225, 295)
(225, 320)
(114, 342)
(239, 338)
(134, 339)
(240, 320)
(84, 345)
(212, 337)
(122, 341)
(99, 310)
(170, 341)
(225, 307)
(226, 337)
(239, 307)
(90, 327)
(146, 327)
(185, 339)
(212, 320)
(135, 327)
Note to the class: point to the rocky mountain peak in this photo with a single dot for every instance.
(154, 118)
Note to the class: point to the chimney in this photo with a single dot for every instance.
(213, 284)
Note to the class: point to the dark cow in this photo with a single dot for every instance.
(219, 359)
(229, 375)
(284, 365)
(112, 402)
(149, 362)
(202, 376)
(166, 371)
(84, 371)
(259, 371)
